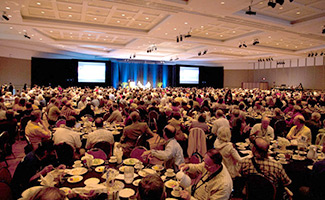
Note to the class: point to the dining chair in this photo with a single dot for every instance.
(196, 142)
(258, 187)
(105, 146)
(137, 153)
(5, 147)
(97, 153)
(320, 139)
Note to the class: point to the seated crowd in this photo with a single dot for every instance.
(48, 116)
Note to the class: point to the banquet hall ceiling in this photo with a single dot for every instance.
(132, 28)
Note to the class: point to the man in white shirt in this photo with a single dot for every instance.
(220, 122)
(263, 130)
(67, 135)
(99, 135)
(173, 153)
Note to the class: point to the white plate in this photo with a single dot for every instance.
(92, 181)
(301, 152)
(157, 167)
(75, 179)
(171, 184)
(31, 191)
(171, 199)
(170, 175)
(146, 172)
(126, 193)
(66, 190)
(100, 169)
(115, 132)
(122, 169)
(97, 161)
(297, 157)
(78, 171)
(130, 161)
(242, 144)
(136, 182)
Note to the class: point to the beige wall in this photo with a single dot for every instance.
(234, 78)
(311, 77)
(16, 71)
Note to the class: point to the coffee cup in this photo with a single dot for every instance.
(176, 191)
(184, 179)
(77, 163)
(113, 159)
(169, 172)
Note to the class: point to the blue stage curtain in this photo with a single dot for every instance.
(143, 72)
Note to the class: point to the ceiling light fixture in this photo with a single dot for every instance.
(271, 4)
(26, 36)
(249, 11)
(323, 32)
(244, 45)
(5, 16)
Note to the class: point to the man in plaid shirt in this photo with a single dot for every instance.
(270, 168)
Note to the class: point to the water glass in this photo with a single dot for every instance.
(128, 174)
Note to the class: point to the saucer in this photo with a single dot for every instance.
(170, 175)
(173, 193)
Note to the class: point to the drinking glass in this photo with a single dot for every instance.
(128, 174)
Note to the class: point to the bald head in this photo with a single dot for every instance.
(99, 122)
(265, 122)
(169, 131)
(261, 148)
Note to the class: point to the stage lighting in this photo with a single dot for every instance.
(181, 38)
(177, 39)
(291, 0)
(323, 30)
(321, 54)
(239, 45)
(4, 16)
(199, 54)
(244, 45)
(272, 59)
(312, 55)
(249, 11)
(271, 4)
(316, 54)
(26, 36)
(205, 52)
(309, 55)
(188, 35)
(280, 2)
(256, 42)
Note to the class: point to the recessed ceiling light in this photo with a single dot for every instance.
(202, 26)
(51, 31)
(70, 36)
(70, 7)
(166, 33)
(175, 29)
(287, 45)
(104, 39)
(296, 47)
(281, 39)
(140, 24)
(19, 32)
(95, 18)
(298, 12)
(8, 8)
(40, 39)
(88, 38)
(281, 8)
(70, 32)
(277, 43)
(70, 15)
(42, 12)
(221, 35)
(9, 16)
(222, 2)
(147, 18)
(207, 33)
(11, 27)
(269, 37)
(185, 23)
(261, 2)
(38, 3)
(233, 31)
(32, 35)
(24, 30)
(123, 15)
(118, 21)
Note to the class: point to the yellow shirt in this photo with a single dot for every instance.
(295, 134)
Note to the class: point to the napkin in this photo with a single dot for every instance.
(47, 180)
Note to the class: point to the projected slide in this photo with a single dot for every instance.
(91, 72)
(189, 75)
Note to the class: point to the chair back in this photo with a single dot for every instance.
(196, 158)
(23, 123)
(137, 152)
(65, 153)
(320, 139)
(142, 141)
(5, 175)
(97, 153)
(280, 128)
(259, 188)
(105, 146)
(196, 142)
(5, 146)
